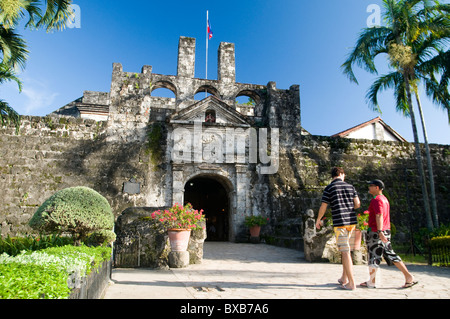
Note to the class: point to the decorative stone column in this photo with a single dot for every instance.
(177, 184)
(241, 203)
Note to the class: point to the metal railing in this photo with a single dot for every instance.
(439, 252)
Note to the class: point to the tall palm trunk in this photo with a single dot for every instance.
(429, 163)
(418, 154)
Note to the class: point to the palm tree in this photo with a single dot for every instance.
(13, 48)
(55, 17)
(408, 24)
(8, 115)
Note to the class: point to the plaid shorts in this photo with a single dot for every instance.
(378, 249)
(345, 237)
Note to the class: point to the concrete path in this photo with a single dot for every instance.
(259, 271)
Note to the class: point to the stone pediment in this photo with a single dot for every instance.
(210, 108)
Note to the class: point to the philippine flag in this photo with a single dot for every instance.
(210, 33)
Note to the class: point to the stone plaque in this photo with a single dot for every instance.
(132, 187)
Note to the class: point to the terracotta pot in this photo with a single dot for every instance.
(254, 231)
(179, 239)
(358, 238)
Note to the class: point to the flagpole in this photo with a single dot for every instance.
(206, 69)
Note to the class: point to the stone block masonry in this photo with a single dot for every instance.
(51, 153)
(135, 145)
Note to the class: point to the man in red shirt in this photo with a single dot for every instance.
(379, 237)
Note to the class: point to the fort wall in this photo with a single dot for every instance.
(50, 153)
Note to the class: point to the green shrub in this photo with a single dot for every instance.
(48, 273)
(14, 245)
(440, 250)
(78, 210)
(441, 241)
(26, 281)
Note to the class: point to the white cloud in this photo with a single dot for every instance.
(38, 96)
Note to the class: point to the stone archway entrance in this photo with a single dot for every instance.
(210, 195)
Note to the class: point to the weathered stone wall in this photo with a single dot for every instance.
(305, 171)
(49, 154)
(128, 157)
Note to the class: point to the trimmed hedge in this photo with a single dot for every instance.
(78, 210)
(439, 252)
(49, 273)
(440, 241)
(15, 245)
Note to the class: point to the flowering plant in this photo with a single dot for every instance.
(363, 220)
(177, 216)
(255, 221)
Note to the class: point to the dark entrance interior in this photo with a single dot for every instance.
(208, 194)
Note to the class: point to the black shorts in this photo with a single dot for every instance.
(378, 249)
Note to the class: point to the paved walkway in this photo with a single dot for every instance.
(249, 271)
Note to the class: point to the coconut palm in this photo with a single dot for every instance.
(55, 16)
(414, 31)
(13, 47)
(8, 115)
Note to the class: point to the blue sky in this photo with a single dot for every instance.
(286, 41)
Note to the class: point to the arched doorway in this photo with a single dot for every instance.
(210, 195)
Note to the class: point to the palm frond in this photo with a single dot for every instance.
(13, 48)
(393, 80)
(8, 115)
(371, 42)
(57, 14)
(7, 74)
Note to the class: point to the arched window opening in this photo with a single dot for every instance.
(210, 116)
(163, 92)
(164, 89)
(245, 104)
(205, 91)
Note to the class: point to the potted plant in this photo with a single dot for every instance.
(254, 224)
(179, 221)
(362, 226)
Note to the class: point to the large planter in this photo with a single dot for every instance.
(255, 230)
(179, 239)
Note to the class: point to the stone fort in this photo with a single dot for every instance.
(229, 159)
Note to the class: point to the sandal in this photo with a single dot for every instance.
(341, 282)
(366, 285)
(409, 284)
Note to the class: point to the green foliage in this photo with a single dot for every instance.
(49, 14)
(48, 273)
(440, 250)
(78, 210)
(154, 147)
(14, 245)
(8, 114)
(177, 216)
(440, 241)
(255, 221)
(19, 281)
(102, 237)
(442, 230)
(363, 220)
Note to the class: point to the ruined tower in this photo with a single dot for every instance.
(215, 145)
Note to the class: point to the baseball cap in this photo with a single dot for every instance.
(377, 182)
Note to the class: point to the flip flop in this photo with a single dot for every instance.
(340, 282)
(409, 284)
(366, 285)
